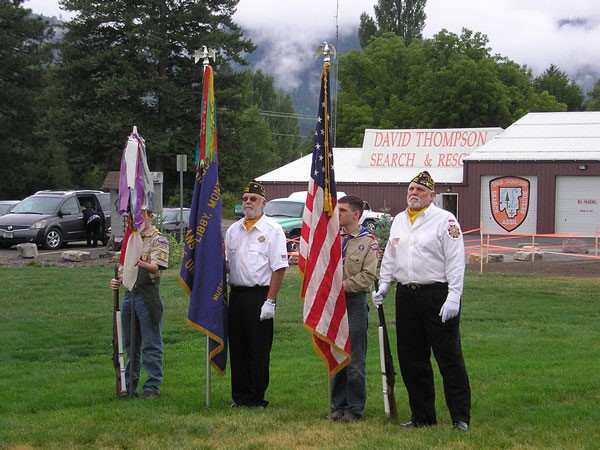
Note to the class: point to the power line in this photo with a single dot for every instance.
(290, 135)
(285, 115)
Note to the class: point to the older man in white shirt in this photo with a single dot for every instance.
(255, 248)
(425, 257)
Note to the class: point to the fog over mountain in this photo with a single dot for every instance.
(529, 32)
(292, 62)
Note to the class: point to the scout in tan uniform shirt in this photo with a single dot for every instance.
(148, 310)
(360, 257)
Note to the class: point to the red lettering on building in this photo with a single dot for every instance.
(448, 139)
(451, 159)
(391, 139)
(392, 159)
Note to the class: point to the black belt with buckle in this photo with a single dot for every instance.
(417, 286)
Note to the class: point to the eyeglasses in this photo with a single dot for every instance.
(247, 198)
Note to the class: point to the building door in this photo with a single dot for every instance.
(577, 205)
(449, 202)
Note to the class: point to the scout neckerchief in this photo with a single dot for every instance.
(346, 237)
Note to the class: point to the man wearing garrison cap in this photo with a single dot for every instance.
(256, 254)
(425, 257)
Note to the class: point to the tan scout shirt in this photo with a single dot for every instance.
(360, 264)
(155, 249)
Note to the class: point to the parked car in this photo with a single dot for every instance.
(6, 206)
(51, 219)
(369, 218)
(288, 213)
(171, 223)
(238, 211)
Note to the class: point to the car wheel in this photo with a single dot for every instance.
(53, 239)
(370, 225)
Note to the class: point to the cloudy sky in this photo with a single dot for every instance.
(526, 31)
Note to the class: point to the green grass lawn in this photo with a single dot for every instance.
(532, 348)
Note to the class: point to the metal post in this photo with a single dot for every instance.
(181, 167)
(329, 395)
(207, 372)
(480, 247)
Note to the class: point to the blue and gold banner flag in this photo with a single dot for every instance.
(202, 273)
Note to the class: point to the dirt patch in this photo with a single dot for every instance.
(102, 260)
(587, 268)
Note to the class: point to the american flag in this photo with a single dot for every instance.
(320, 256)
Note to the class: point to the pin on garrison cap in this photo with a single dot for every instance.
(254, 187)
(424, 179)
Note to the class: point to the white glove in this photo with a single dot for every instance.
(379, 294)
(267, 311)
(449, 310)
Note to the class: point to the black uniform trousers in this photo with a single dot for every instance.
(250, 341)
(419, 330)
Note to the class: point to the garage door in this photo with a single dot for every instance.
(577, 205)
(512, 207)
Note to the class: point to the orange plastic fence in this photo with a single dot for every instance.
(484, 242)
(574, 245)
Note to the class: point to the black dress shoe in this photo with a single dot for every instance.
(412, 424)
(460, 426)
(409, 425)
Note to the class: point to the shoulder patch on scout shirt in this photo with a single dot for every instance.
(162, 240)
(375, 244)
(453, 229)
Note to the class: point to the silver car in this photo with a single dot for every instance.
(50, 218)
(6, 206)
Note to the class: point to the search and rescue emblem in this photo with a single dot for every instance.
(509, 201)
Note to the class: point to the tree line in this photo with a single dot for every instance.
(71, 92)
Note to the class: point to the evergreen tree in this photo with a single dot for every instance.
(366, 30)
(23, 55)
(557, 84)
(406, 18)
(278, 109)
(130, 63)
(594, 103)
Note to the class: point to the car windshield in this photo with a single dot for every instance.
(285, 209)
(38, 205)
(4, 208)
